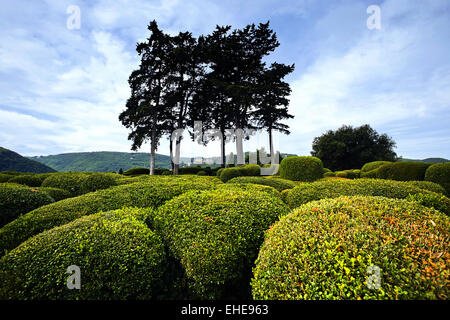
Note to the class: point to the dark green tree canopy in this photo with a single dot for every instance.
(350, 148)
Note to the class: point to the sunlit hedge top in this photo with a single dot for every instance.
(323, 250)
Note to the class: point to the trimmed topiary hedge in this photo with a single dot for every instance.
(216, 237)
(55, 193)
(16, 199)
(202, 173)
(332, 249)
(31, 180)
(70, 181)
(301, 168)
(119, 258)
(136, 171)
(150, 193)
(369, 174)
(432, 200)
(5, 177)
(230, 173)
(349, 174)
(428, 185)
(336, 188)
(278, 184)
(329, 174)
(249, 187)
(99, 181)
(403, 171)
(439, 173)
(219, 172)
(373, 165)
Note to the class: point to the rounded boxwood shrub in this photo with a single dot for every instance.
(17, 199)
(428, 185)
(301, 168)
(373, 165)
(329, 174)
(278, 184)
(250, 170)
(439, 173)
(330, 249)
(230, 173)
(325, 170)
(70, 181)
(98, 181)
(403, 171)
(335, 188)
(249, 187)
(369, 174)
(55, 193)
(136, 171)
(31, 180)
(349, 174)
(118, 255)
(202, 173)
(5, 177)
(142, 194)
(431, 200)
(216, 237)
(219, 172)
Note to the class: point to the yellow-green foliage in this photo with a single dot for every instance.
(118, 255)
(149, 192)
(439, 173)
(323, 250)
(403, 171)
(428, 185)
(216, 236)
(301, 168)
(279, 184)
(17, 199)
(31, 180)
(373, 165)
(70, 181)
(336, 188)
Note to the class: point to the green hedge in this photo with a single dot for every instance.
(301, 168)
(150, 193)
(403, 171)
(373, 165)
(329, 174)
(369, 174)
(136, 171)
(31, 180)
(5, 177)
(349, 174)
(278, 184)
(249, 187)
(99, 181)
(216, 237)
(202, 173)
(230, 173)
(428, 185)
(336, 188)
(70, 181)
(323, 250)
(16, 200)
(55, 193)
(119, 258)
(432, 200)
(439, 173)
(219, 172)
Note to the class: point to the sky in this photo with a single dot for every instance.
(63, 85)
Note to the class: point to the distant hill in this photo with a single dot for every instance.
(12, 161)
(427, 160)
(107, 161)
(101, 161)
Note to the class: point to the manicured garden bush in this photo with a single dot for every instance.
(439, 173)
(349, 174)
(336, 188)
(202, 173)
(119, 258)
(136, 171)
(250, 170)
(98, 181)
(5, 177)
(70, 181)
(331, 249)
(428, 185)
(230, 173)
(17, 199)
(31, 180)
(373, 165)
(219, 172)
(55, 193)
(325, 170)
(301, 168)
(432, 200)
(249, 187)
(403, 171)
(369, 174)
(150, 193)
(279, 184)
(216, 237)
(329, 174)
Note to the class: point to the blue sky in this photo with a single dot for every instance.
(62, 90)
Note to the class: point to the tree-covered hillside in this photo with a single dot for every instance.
(12, 161)
(102, 161)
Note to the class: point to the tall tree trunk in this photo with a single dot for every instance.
(177, 156)
(222, 148)
(272, 154)
(171, 154)
(239, 133)
(152, 152)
